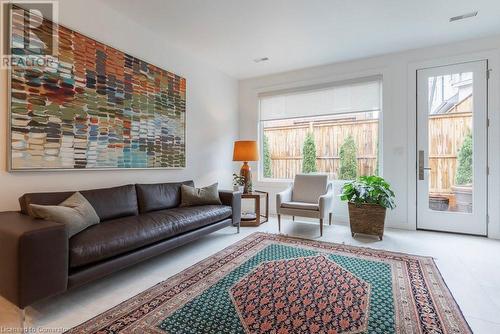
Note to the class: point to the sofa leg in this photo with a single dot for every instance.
(293, 218)
(330, 218)
(321, 227)
(279, 223)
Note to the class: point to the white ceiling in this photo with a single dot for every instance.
(295, 34)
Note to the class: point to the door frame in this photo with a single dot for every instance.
(493, 140)
(456, 222)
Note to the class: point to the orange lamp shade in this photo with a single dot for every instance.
(245, 150)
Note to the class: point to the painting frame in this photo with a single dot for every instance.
(9, 114)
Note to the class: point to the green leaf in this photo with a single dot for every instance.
(369, 189)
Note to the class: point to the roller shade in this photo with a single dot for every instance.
(349, 97)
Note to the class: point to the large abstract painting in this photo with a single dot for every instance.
(93, 107)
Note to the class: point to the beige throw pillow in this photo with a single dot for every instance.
(75, 212)
(191, 196)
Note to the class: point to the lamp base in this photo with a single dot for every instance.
(246, 172)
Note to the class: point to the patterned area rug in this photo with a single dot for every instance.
(269, 283)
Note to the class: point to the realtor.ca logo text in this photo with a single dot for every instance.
(31, 38)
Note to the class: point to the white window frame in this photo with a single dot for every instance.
(305, 88)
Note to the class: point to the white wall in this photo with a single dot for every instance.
(212, 118)
(398, 132)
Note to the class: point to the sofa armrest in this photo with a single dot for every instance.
(33, 258)
(282, 197)
(232, 199)
(326, 202)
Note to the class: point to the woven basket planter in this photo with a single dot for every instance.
(367, 219)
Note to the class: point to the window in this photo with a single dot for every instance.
(332, 129)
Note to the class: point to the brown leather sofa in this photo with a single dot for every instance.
(137, 222)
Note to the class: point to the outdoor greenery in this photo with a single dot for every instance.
(348, 163)
(309, 155)
(369, 189)
(268, 172)
(464, 169)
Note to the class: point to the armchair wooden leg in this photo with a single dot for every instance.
(279, 223)
(321, 227)
(330, 218)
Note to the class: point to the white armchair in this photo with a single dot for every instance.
(310, 195)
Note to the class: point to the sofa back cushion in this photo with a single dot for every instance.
(109, 203)
(115, 202)
(160, 196)
(53, 198)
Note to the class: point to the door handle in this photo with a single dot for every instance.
(421, 168)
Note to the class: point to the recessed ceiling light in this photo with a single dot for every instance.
(259, 60)
(463, 16)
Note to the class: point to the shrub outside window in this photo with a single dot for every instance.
(333, 130)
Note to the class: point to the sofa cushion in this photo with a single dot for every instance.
(109, 203)
(52, 198)
(300, 206)
(118, 236)
(159, 196)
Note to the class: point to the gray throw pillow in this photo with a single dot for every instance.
(191, 196)
(75, 212)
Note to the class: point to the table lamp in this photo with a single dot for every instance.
(246, 150)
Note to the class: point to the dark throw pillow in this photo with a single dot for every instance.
(191, 196)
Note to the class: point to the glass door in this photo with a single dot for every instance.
(452, 148)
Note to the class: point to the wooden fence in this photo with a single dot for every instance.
(446, 134)
(285, 146)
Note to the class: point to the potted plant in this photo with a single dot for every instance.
(463, 179)
(238, 182)
(368, 199)
(438, 202)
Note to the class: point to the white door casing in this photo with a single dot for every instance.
(474, 222)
